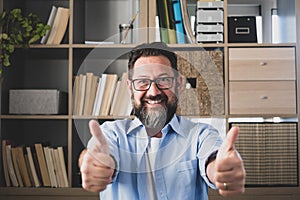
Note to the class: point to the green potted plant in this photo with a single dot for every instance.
(17, 29)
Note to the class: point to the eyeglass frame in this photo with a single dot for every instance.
(152, 81)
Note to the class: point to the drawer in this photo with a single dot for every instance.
(262, 64)
(267, 97)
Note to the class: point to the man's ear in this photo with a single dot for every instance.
(179, 84)
(129, 85)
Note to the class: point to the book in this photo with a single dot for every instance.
(14, 154)
(50, 23)
(123, 101)
(93, 94)
(100, 95)
(180, 34)
(10, 166)
(57, 164)
(87, 95)
(5, 165)
(112, 108)
(126, 105)
(59, 26)
(162, 19)
(36, 181)
(50, 166)
(63, 166)
(37, 167)
(23, 167)
(90, 94)
(76, 96)
(81, 93)
(172, 22)
(98, 42)
(28, 168)
(108, 94)
(97, 96)
(42, 164)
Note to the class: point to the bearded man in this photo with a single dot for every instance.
(159, 155)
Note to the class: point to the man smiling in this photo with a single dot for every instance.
(159, 155)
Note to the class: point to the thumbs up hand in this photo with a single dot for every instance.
(96, 165)
(99, 144)
(230, 173)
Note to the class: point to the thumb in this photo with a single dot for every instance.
(228, 143)
(99, 142)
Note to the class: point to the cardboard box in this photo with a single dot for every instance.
(31, 101)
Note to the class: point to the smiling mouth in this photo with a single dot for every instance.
(152, 102)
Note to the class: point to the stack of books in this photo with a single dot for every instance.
(101, 96)
(38, 166)
(170, 20)
(58, 22)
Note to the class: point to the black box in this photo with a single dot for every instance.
(242, 29)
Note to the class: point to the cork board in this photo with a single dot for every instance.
(202, 92)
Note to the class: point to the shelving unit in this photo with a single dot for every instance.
(54, 66)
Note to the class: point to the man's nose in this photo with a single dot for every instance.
(153, 90)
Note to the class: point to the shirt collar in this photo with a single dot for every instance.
(174, 125)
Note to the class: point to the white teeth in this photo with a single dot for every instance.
(153, 102)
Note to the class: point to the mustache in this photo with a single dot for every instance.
(158, 97)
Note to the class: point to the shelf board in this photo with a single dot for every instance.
(130, 46)
(250, 193)
(102, 117)
(262, 116)
(42, 191)
(262, 193)
(104, 46)
(261, 45)
(45, 46)
(204, 45)
(34, 117)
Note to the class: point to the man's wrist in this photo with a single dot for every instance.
(210, 168)
(116, 165)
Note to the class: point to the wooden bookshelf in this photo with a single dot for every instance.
(55, 66)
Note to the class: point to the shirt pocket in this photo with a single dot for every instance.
(187, 165)
(185, 181)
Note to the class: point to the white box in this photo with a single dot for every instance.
(211, 4)
(31, 101)
(210, 16)
(209, 37)
(204, 28)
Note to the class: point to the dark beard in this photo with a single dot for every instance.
(156, 117)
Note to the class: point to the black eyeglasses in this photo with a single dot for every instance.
(144, 84)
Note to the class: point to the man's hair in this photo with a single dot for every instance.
(151, 49)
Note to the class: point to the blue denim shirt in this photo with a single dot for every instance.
(179, 166)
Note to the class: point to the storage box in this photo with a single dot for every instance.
(217, 28)
(242, 29)
(30, 101)
(218, 37)
(210, 16)
(210, 4)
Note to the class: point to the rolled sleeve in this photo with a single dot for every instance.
(210, 142)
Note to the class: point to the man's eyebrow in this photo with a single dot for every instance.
(147, 77)
(142, 76)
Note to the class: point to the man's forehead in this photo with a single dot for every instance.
(161, 59)
(152, 67)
